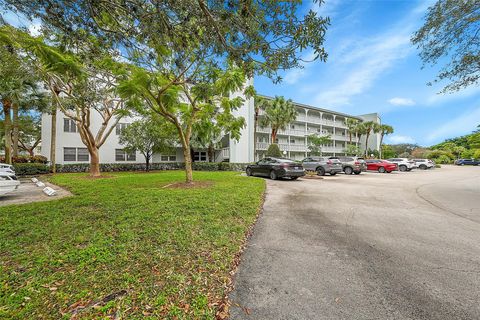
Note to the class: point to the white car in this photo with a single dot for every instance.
(424, 164)
(404, 164)
(8, 182)
(6, 168)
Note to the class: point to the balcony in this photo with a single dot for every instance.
(283, 146)
(287, 132)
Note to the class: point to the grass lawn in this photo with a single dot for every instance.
(123, 247)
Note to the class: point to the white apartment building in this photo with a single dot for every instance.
(293, 140)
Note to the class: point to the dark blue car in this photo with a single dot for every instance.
(467, 162)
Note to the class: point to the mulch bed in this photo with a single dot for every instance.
(191, 185)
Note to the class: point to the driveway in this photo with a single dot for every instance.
(373, 246)
(28, 192)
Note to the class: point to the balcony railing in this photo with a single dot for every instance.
(298, 147)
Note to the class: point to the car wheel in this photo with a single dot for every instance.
(381, 170)
(320, 171)
(348, 170)
(357, 172)
(402, 168)
(249, 172)
(423, 167)
(273, 175)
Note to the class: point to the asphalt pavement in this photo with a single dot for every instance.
(404, 245)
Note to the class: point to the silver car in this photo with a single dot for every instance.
(322, 165)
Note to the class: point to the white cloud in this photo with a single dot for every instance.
(328, 8)
(463, 124)
(294, 75)
(367, 59)
(395, 139)
(397, 101)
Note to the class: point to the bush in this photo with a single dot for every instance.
(443, 159)
(29, 169)
(27, 159)
(274, 151)
(476, 154)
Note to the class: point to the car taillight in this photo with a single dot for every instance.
(357, 163)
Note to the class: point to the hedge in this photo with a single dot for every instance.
(30, 169)
(23, 169)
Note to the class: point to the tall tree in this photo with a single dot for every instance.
(177, 43)
(352, 125)
(450, 36)
(81, 82)
(384, 129)
(258, 36)
(189, 103)
(279, 113)
(148, 135)
(366, 129)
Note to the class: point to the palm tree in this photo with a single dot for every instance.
(384, 130)
(279, 113)
(367, 128)
(352, 125)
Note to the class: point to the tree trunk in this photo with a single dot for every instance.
(30, 152)
(366, 144)
(211, 153)
(147, 162)
(94, 162)
(274, 136)
(188, 164)
(381, 141)
(7, 105)
(16, 131)
(53, 141)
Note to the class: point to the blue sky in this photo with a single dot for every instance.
(373, 67)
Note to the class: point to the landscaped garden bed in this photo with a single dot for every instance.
(126, 246)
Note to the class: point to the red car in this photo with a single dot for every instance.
(381, 165)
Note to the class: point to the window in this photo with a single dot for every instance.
(69, 125)
(122, 155)
(82, 154)
(292, 140)
(76, 154)
(292, 126)
(167, 158)
(200, 156)
(120, 127)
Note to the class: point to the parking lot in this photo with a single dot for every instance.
(404, 245)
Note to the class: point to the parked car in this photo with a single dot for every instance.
(6, 168)
(276, 168)
(424, 164)
(322, 165)
(404, 164)
(381, 166)
(8, 182)
(352, 164)
(467, 162)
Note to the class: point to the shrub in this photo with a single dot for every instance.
(443, 159)
(274, 151)
(27, 159)
(476, 154)
(29, 169)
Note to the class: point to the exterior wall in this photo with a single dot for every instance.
(374, 139)
(241, 151)
(310, 120)
(293, 140)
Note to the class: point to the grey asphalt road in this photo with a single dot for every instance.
(373, 246)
